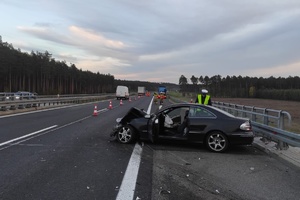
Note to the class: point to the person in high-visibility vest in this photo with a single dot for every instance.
(203, 98)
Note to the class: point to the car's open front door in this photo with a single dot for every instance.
(153, 128)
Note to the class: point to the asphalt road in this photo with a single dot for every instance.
(67, 153)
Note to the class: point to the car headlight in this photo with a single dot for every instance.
(118, 120)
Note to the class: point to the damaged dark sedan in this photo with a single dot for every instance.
(189, 122)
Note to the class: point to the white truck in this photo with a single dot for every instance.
(122, 92)
(141, 91)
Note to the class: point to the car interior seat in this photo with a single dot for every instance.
(182, 128)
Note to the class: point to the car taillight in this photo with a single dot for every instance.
(246, 126)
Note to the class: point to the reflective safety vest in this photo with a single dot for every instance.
(200, 100)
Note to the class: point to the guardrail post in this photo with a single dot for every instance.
(280, 121)
(13, 107)
(3, 108)
(253, 116)
(21, 106)
(266, 118)
(282, 145)
(225, 108)
(244, 114)
(236, 110)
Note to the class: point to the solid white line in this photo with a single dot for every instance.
(127, 188)
(126, 191)
(28, 135)
(149, 108)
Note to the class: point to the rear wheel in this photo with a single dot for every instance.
(217, 141)
(126, 135)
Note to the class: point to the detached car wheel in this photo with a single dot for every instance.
(126, 135)
(217, 142)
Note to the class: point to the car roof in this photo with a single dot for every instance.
(186, 104)
(208, 107)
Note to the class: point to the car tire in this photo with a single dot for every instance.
(217, 141)
(126, 134)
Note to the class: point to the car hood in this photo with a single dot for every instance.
(133, 113)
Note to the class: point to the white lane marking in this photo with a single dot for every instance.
(52, 127)
(126, 191)
(28, 135)
(102, 110)
(127, 188)
(149, 108)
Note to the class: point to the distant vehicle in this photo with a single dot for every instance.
(5, 96)
(16, 96)
(186, 122)
(122, 92)
(162, 90)
(141, 91)
(26, 95)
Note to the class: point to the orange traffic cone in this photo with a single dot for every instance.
(95, 113)
(110, 105)
(121, 102)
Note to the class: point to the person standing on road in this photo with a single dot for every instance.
(203, 98)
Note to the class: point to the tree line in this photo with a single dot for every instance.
(244, 87)
(41, 73)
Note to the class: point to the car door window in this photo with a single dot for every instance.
(177, 114)
(197, 112)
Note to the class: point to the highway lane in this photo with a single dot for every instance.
(19, 125)
(75, 160)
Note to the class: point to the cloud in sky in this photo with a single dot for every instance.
(160, 40)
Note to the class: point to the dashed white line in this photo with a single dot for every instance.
(28, 135)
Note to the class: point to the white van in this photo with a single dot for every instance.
(122, 92)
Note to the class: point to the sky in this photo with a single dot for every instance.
(160, 40)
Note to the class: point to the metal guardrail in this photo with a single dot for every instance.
(268, 123)
(54, 100)
(277, 118)
(281, 137)
(22, 104)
